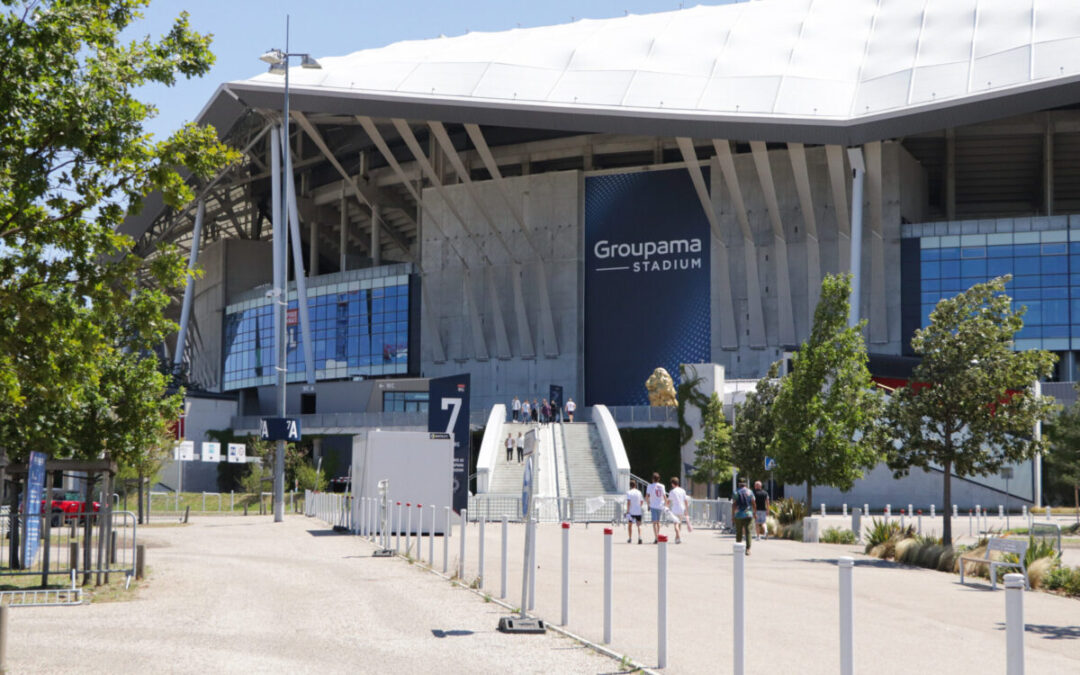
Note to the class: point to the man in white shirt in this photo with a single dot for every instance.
(515, 407)
(570, 408)
(677, 503)
(526, 409)
(657, 503)
(509, 446)
(520, 447)
(634, 512)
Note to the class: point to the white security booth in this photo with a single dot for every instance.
(419, 469)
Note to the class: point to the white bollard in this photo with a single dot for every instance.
(1023, 510)
(565, 574)
(845, 510)
(822, 510)
(920, 522)
(932, 514)
(1048, 513)
(856, 523)
(661, 602)
(954, 510)
(1014, 624)
(910, 509)
(483, 528)
(978, 513)
(866, 510)
(232, 499)
(888, 510)
(1001, 511)
(530, 532)
(969, 523)
(607, 585)
(397, 530)
(431, 540)
(461, 555)
(847, 617)
(419, 533)
(502, 593)
(901, 519)
(738, 631)
(408, 528)
(446, 543)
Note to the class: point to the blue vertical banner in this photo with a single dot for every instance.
(35, 490)
(448, 412)
(646, 282)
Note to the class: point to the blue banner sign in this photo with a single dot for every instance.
(279, 429)
(35, 490)
(646, 282)
(448, 412)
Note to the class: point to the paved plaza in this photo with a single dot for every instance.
(231, 594)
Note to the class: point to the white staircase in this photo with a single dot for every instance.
(587, 466)
(506, 479)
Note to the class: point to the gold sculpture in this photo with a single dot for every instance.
(661, 389)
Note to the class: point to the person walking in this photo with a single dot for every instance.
(520, 447)
(570, 408)
(509, 446)
(545, 412)
(677, 504)
(634, 501)
(515, 408)
(525, 411)
(743, 504)
(535, 411)
(657, 504)
(761, 510)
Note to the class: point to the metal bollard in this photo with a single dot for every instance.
(901, 519)
(932, 515)
(431, 540)
(910, 509)
(856, 523)
(420, 533)
(483, 526)
(397, 529)
(954, 510)
(461, 555)
(565, 574)
(530, 532)
(845, 510)
(408, 528)
(969, 523)
(362, 506)
(446, 543)
(738, 631)
(140, 560)
(888, 511)
(847, 617)
(978, 513)
(822, 510)
(1001, 511)
(502, 566)
(661, 602)
(607, 585)
(1048, 513)
(920, 521)
(1014, 624)
(866, 509)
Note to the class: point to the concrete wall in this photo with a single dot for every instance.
(551, 207)
(202, 415)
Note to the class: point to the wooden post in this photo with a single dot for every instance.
(187, 512)
(4, 613)
(112, 547)
(46, 514)
(73, 555)
(140, 561)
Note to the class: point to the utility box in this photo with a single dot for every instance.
(420, 469)
(811, 529)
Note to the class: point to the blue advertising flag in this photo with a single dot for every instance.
(35, 489)
(647, 282)
(448, 412)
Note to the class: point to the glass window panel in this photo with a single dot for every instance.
(973, 252)
(1055, 292)
(1027, 294)
(1026, 250)
(1060, 331)
(928, 254)
(1055, 311)
(950, 287)
(996, 267)
(1026, 282)
(1029, 331)
(931, 284)
(950, 253)
(1034, 311)
(1057, 248)
(999, 251)
(1055, 264)
(973, 268)
(950, 268)
(1027, 266)
(1055, 279)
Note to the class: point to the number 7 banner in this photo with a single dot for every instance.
(448, 412)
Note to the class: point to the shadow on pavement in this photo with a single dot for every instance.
(439, 633)
(1050, 632)
(325, 533)
(863, 563)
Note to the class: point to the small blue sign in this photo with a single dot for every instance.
(35, 488)
(279, 429)
(770, 463)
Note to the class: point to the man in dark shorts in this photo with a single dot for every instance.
(634, 501)
(761, 510)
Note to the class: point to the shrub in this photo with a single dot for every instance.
(1063, 579)
(788, 511)
(792, 531)
(309, 479)
(1038, 571)
(883, 532)
(835, 535)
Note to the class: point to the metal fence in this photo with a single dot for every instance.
(94, 545)
(332, 508)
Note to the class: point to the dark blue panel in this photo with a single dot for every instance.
(646, 260)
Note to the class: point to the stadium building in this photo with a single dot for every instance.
(578, 204)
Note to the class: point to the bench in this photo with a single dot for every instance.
(1017, 546)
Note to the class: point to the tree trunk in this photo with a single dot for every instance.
(1076, 498)
(946, 508)
(140, 499)
(809, 497)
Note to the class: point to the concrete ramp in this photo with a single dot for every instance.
(587, 466)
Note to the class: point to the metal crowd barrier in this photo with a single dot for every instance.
(335, 509)
(71, 547)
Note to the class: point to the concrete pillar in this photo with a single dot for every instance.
(376, 219)
(343, 241)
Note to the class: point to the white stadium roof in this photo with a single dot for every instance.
(809, 70)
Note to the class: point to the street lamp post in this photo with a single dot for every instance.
(279, 64)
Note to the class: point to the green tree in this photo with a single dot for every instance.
(1063, 459)
(827, 408)
(712, 459)
(78, 313)
(973, 408)
(755, 426)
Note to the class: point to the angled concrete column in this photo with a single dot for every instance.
(476, 326)
(502, 342)
(376, 248)
(189, 287)
(878, 314)
(783, 277)
(838, 179)
(797, 154)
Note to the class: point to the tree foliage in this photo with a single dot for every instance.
(973, 408)
(827, 407)
(79, 315)
(1063, 459)
(712, 459)
(755, 425)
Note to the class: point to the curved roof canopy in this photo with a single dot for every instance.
(840, 71)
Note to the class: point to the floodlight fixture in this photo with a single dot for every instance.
(273, 56)
(307, 62)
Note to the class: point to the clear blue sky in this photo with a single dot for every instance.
(244, 29)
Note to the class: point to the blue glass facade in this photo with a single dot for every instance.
(1046, 279)
(357, 328)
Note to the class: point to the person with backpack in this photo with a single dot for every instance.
(657, 495)
(743, 505)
